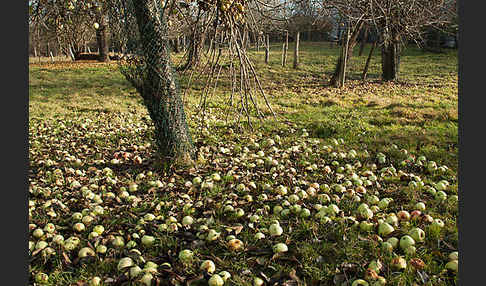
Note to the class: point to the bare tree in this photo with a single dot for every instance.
(397, 21)
(147, 66)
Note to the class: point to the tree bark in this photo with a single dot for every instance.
(363, 41)
(196, 40)
(102, 39)
(353, 39)
(283, 54)
(71, 53)
(339, 75)
(267, 48)
(159, 90)
(348, 43)
(296, 51)
(285, 48)
(368, 60)
(390, 61)
(176, 45)
(258, 42)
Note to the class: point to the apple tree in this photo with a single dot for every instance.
(147, 66)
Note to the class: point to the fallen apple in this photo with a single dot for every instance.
(360, 282)
(124, 263)
(225, 275)
(134, 271)
(406, 241)
(95, 281)
(280, 247)
(148, 240)
(384, 229)
(398, 263)
(86, 251)
(275, 230)
(417, 234)
(235, 244)
(257, 281)
(208, 266)
(215, 280)
(147, 279)
(452, 265)
(186, 255)
(454, 255)
(420, 206)
(393, 241)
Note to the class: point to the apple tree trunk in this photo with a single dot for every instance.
(349, 42)
(158, 88)
(101, 40)
(390, 61)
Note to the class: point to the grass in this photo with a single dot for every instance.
(89, 111)
(418, 113)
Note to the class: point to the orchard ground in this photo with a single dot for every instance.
(88, 111)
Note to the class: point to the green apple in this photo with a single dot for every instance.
(392, 219)
(118, 242)
(420, 206)
(186, 255)
(280, 247)
(41, 278)
(385, 229)
(362, 207)
(79, 227)
(293, 198)
(225, 275)
(208, 266)
(134, 271)
(387, 247)
(215, 280)
(441, 196)
(305, 213)
(277, 209)
(86, 251)
(285, 213)
(431, 190)
(187, 220)
(417, 234)
(213, 235)
(259, 235)
(383, 203)
(296, 209)
(99, 229)
(125, 263)
(454, 255)
(360, 282)
(398, 263)
(38, 233)
(406, 241)
(239, 212)
(375, 265)
(275, 230)
(366, 226)
(257, 281)
(95, 281)
(147, 279)
(393, 241)
(410, 250)
(452, 265)
(101, 249)
(148, 240)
